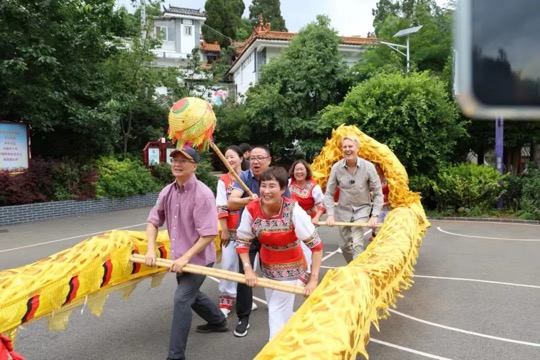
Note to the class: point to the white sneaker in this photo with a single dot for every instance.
(225, 312)
(254, 306)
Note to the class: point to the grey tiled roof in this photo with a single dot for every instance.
(185, 11)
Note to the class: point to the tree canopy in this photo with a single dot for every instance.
(69, 70)
(223, 18)
(411, 114)
(293, 88)
(271, 12)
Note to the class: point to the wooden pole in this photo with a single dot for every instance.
(223, 274)
(339, 223)
(229, 167)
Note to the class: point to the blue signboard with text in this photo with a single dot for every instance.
(14, 147)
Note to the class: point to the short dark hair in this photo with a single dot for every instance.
(309, 173)
(265, 148)
(244, 147)
(236, 149)
(276, 173)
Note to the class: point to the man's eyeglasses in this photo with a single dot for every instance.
(181, 161)
(258, 158)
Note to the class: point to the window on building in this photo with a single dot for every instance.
(165, 32)
(210, 58)
(188, 30)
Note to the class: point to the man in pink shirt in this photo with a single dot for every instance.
(188, 208)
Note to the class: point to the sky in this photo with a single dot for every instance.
(348, 17)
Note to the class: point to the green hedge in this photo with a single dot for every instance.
(122, 178)
(467, 188)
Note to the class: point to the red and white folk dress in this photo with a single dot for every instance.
(310, 196)
(281, 256)
(229, 258)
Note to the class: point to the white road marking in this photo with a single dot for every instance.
(484, 222)
(69, 238)
(519, 342)
(421, 353)
(332, 254)
(485, 237)
(477, 280)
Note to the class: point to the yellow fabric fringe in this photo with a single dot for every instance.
(335, 321)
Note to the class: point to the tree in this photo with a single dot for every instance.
(223, 17)
(430, 48)
(245, 29)
(271, 12)
(411, 114)
(50, 56)
(293, 88)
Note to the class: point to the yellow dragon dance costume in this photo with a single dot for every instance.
(333, 323)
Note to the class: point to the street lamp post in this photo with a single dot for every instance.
(396, 47)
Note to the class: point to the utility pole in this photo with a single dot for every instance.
(143, 18)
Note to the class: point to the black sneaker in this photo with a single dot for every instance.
(242, 327)
(208, 328)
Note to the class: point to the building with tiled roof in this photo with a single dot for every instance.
(180, 29)
(264, 44)
(184, 12)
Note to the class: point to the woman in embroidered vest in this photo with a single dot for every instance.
(228, 221)
(279, 224)
(305, 190)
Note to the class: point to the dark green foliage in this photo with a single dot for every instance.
(411, 114)
(423, 185)
(271, 12)
(282, 110)
(121, 178)
(465, 187)
(530, 199)
(162, 174)
(223, 17)
(232, 127)
(48, 181)
(73, 181)
(204, 172)
(50, 53)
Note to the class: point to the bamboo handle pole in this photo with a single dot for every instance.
(223, 274)
(339, 223)
(229, 167)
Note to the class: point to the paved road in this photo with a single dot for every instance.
(476, 296)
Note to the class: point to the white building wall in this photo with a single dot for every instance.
(187, 31)
(272, 52)
(245, 77)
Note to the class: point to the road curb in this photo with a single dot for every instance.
(497, 220)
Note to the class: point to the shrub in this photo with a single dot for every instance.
(162, 174)
(513, 186)
(467, 186)
(121, 178)
(530, 198)
(32, 186)
(73, 181)
(204, 173)
(423, 185)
